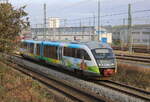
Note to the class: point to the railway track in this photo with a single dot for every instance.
(82, 96)
(133, 58)
(71, 93)
(135, 92)
(135, 49)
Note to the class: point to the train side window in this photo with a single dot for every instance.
(28, 47)
(23, 45)
(86, 55)
(67, 51)
(79, 53)
(71, 52)
(50, 51)
(76, 53)
(53, 52)
(31, 49)
(45, 51)
(38, 49)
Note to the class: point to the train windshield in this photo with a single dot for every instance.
(103, 53)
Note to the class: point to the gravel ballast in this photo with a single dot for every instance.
(88, 87)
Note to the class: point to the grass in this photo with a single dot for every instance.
(133, 75)
(16, 87)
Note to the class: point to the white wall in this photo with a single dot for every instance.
(108, 36)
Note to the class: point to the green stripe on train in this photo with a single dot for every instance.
(93, 69)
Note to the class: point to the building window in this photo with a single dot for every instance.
(118, 33)
(136, 40)
(145, 40)
(135, 32)
(146, 33)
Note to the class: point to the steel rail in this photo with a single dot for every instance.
(130, 87)
(134, 56)
(139, 50)
(69, 91)
(133, 59)
(132, 91)
(120, 88)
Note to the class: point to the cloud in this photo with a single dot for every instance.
(77, 8)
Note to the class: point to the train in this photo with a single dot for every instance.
(90, 59)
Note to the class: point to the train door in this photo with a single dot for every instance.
(60, 53)
(41, 49)
(28, 48)
(35, 49)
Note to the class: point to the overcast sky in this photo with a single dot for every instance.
(72, 9)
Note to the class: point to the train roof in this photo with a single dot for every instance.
(96, 44)
(64, 44)
(90, 44)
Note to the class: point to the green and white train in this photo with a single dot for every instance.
(91, 59)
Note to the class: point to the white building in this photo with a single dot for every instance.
(140, 34)
(104, 36)
(54, 22)
(74, 33)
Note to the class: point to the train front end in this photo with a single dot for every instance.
(106, 61)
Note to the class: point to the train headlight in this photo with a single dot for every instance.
(112, 64)
(106, 63)
(101, 64)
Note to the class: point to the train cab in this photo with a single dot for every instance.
(104, 58)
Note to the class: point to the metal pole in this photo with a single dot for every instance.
(89, 21)
(89, 29)
(36, 28)
(44, 34)
(65, 22)
(123, 34)
(54, 27)
(129, 28)
(99, 37)
(148, 46)
(81, 28)
(94, 20)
